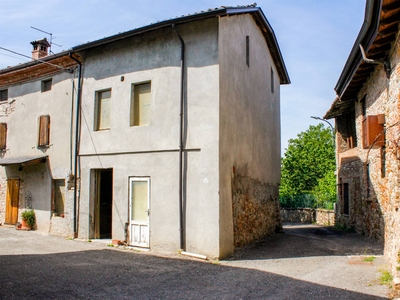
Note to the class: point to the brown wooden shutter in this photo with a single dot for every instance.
(3, 136)
(44, 131)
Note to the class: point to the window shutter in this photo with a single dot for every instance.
(3, 136)
(44, 131)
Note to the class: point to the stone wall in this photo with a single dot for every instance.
(373, 173)
(255, 210)
(308, 216)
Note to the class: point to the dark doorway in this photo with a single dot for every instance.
(103, 203)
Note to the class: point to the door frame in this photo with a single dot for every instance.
(145, 244)
(96, 175)
(12, 202)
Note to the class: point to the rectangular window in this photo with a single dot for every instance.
(103, 110)
(346, 197)
(272, 81)
(248, 51)
(46, 85)
(3, 136)
(364, 106)
(58, 196)
(3, 95)
(44, 131)
(383, 162)
(140, 104)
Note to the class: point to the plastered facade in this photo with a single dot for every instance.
(26, 102)
(231, 120)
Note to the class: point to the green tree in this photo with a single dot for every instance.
(325, 191)
(308, 163)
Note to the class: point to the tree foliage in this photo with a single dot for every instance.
(308, 169)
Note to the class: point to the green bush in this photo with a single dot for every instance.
(29, 217)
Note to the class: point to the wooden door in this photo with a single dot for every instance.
(139, 191)
(12, 201)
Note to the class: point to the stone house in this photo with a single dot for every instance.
(36, 113)
(366, 113)
(179, 133)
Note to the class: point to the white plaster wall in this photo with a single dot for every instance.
(152, 150)
(249, 114)
(28, 103)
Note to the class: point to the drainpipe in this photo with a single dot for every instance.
(181, 226)
(77, 122)
(385, 63)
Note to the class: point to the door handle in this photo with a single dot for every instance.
(148, 212)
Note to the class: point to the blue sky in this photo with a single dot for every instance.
(315, 37)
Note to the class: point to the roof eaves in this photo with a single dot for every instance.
(277, 54)
(153, 26)
(28, 64)
(221, 11)
(365, 37)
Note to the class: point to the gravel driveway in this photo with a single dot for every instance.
(307, 262)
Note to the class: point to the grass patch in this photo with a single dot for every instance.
(369, 258)
(385, 278)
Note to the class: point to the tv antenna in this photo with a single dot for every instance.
(51, 37)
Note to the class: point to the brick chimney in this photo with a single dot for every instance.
(40, 48)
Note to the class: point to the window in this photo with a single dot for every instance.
(103, 110)
(58, 197)
(346, 198)
(272, 81)
(46, 85)
(383, 162)
(248, 51)
(3, 95)
(44, 131)
(346, 127)
(3, 136)
(140, 104)
(364, 106)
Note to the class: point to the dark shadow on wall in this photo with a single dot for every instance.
(358, 206)
(304, 240)
(110, 274)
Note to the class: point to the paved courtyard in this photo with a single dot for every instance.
(307, 262)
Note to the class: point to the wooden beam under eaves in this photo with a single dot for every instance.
(386, 30)
(391, 6)
(394, 18)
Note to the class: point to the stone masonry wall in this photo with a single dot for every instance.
(255, 209)
(308, 216)
(373, 175)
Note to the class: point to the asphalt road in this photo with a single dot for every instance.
(307, 262)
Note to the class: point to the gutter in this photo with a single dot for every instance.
(366, 37)
(181, 146)
(77, 131)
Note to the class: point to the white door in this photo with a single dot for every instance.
(139, 195)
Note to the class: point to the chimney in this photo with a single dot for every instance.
(40, 48)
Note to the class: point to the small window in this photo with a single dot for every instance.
(140, 104)
(46, 85)
(3, 136)
(44, 131)
(383, 162)
(58, 197)
(364, 106)
(103, 110)
(346, 196)
(272, 81)
(248, 51)
(3, 95)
